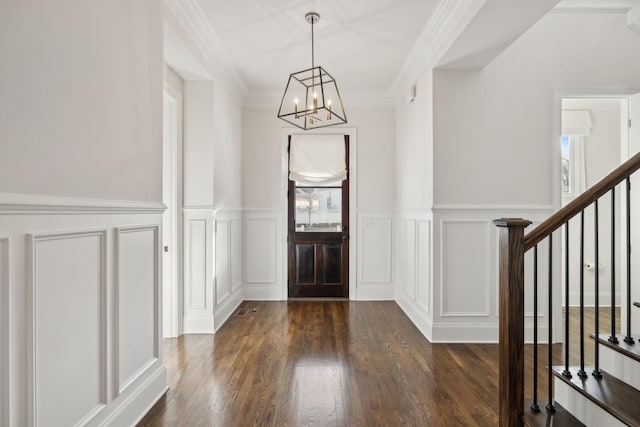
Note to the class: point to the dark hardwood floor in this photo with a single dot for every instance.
(338, 363)
(329, 363)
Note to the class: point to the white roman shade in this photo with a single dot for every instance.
(576, 123)
(317, 159)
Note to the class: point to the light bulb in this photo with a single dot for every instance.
(329, 109)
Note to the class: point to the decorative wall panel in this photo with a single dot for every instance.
(137, 269)
(68, 318)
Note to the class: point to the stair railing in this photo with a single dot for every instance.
(512, 247)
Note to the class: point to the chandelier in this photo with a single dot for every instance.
(311, 99)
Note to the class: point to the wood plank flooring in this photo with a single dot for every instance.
(325, 363)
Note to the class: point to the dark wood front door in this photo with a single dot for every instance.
(318, 238)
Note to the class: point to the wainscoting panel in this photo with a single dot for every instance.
(137, 283)
(375, 255)
(414, 267)
(64, 311)
(199, 298)
(465, 249)
(410, 258)
(228, 264)
(236, 254)
(423, 264)
(4, 330)
(263, 247)
(68, 317)
(465, 288)
(223, 261)
(197, 268)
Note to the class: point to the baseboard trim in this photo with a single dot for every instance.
(198, 325)
(418, 318)
(131, 407)
(226, 309)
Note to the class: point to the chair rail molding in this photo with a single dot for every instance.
(16, 203)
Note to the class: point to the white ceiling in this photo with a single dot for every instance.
(374, 48)
(362, 43)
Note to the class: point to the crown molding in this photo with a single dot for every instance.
(448, 20)
(350, 99)
(194, 23)
(594, 6)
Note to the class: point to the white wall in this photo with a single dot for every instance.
(81, 117)
(263, 194)
(199, 143)
(212, 205)
(81, 90)
(504, 111)
(496, 151)
(414, 198)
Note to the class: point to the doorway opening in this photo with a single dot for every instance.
(318, 216)
(598, 136)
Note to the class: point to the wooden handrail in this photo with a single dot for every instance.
(581, 202)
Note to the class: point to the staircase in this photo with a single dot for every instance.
(598, 386)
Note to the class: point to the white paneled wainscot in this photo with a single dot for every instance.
(213, 242)
(265, 255)
(370, 255)
(447, 275)
(465, 291)
(79, 287)
(374, 255)
(414, 267)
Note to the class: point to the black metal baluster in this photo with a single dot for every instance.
(613, 337)
(550, 406)
(581, 372)
(534, 404)
(566, 372)
(596, 372)
(628, 339)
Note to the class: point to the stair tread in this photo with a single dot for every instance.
(630, 350)
(544, 418)
(613, 395)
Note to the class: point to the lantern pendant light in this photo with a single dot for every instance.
(311, 99)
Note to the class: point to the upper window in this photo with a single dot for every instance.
(566, 165)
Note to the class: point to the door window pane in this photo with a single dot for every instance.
(318, 209)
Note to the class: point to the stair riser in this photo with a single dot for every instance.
(582, 408)
(620, 366)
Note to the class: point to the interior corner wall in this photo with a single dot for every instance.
(212, 214)
(414, 198)
(494, 151)
(262, 198)
(81, 89)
